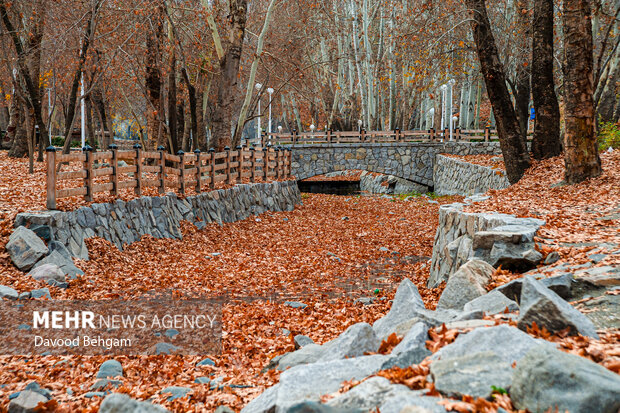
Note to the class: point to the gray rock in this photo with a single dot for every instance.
(101, 384)
(310, 382)
(91, 394)
(206, 362)
(224, 409)
(65, 264)
(412, 403)
(520, 257)
(27, 401)
(509, 343)
(60, 248)
(316, 407)
(415, 339)
(25, 248)
(492, 303)
(110, 368)
(41, 293)
(301, 341)
(47, 272)
(552, 258)
(407, 302)
(471, 375)
(176, 392)
(121, 403)
(295, 304)
(34, 386)
(355, 341)
(549, 379)
(8, 292)
(369, 394)
(43, 231)
(559, 284)
(541, 305)
(465, 285)
(165, 348)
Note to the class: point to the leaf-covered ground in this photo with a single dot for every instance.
(326, 254)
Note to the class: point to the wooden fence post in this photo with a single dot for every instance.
(265, 164)
(329, 135)
(181, 155)
(51, 177)
(162, 169)
(198, 171)
(253, 167)
(397, 133)
(212, 162)
(457, 134)
(138, 188)
(289, 164)
(239, 150)
(294, 136)
(432, 133)
(88, 166)
(114, 165)
(487, 133)
(227, 149)
(278, 164)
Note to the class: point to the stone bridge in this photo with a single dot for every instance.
(413, 161)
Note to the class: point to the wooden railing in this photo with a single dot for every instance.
(431, 135)
(99, 172)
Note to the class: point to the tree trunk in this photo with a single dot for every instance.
(32, 91)
(546, 142)
(514, 148)
(523, 89)
(153, 81)
(69, 120)
(172, 102)
(227, 86)
(581, 151)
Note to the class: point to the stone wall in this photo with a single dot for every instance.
(498, 239)
(408, 160)
(456, 177)
(126, 222)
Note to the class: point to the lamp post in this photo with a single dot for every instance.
(359, 125)
(258, 88)
(270, 91)
(453, 120)
(451, 83)
(312, 127)
(444, 89)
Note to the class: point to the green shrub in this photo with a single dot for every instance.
(609, 136)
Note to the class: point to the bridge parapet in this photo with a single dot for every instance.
(408, 160)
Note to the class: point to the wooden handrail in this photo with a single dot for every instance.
(159, 169)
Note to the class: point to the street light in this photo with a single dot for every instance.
(453, 120)
(431, 113)
(444, 89)
(359, 125)
(280, 129)
(258, 88)
(270, 91)
(312, 128)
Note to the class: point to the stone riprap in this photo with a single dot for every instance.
(124, 223)
(498, 239)
(456, 177)
(408, 160)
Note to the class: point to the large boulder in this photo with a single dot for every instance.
(560, 284)
(110, 368)
(547, 309)
(25, 248)
(471, 375)
(311, 381)
(369, 394)
(547, 379)
(355, 341)
(47, 273)
(509, 343)
(412, 348)
(468, 283)
(407, 301)
(412, 403)
(58, 258)
(121, 403)
(492, 303)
